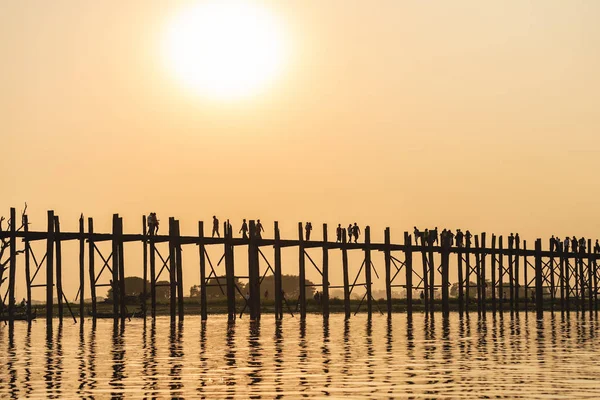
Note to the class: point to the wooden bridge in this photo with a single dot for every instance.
(559, 279)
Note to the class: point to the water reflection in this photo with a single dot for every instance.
(503, 356)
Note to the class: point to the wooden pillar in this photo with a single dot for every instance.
(511, 281)
(254, 274)
(178, 263)
(325, 295)
(408, 267)
(50, 271)
(13, 265)
(581, 280)
(478, 272)
(590, 278)
(122, 292)
(595, 272)
(115, 265)
(539, 293)
(368, 279)
(387, 253)
(152, 276)
(81, 269)
(229, 274)
(346, 276)
(145, 262)
(552, 286)
(58, 254)
(567, 281)
(516, 274)
(91, 259)
(467, 274)
(445, 277)
(501, 274)
(483, 274)
(172, 271)
(460, 278)
(201, 250)
(562, 277)
(278, 283)
(525, 268)
(27, 265)
(301, 274)
(432, 270)
(493, 270)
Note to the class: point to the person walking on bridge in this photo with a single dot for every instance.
(259, 229)
(350, 233)
(308, 228)
(356, 232)
(152, 224)
(244, 229)
(459, 238)
(215, 227)
(338, 233)
(574, 244)
(566, 244)
(417, 236)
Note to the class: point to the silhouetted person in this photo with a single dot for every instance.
(552, 243)
(308, 228)
(597, 247)
(574, 244)
(338, 233)
(511, 241)
(468, 237)
(244, 230)
(152, 224)
(259, 229)
(434, 236)
(417, 235)
(266, 294)
(215, 227)
(566, 244)
(517, 240)
(450, 236)
(356, 232)
(422, 295)
(425, 237)
(582, 245)
(459, 238)
(350, 233)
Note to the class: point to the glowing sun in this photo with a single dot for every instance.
(224, 49)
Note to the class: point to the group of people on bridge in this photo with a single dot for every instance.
(575, 245)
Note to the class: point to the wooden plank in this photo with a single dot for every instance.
(201, 251)
(347, 310)
(408, 267)
(325, 295)
(58, 255)
(91, 267)
(81, 270)
(388, 273)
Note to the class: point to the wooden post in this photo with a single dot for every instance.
(445, 277)
(253, 274)
(388, 273)
(595, 283)
(460, 277)
(552, 287)
(59, 291)
(368, 279)
(432, 270)
(562, 278)
(525, 268)
(516, 274)
(511, 280)
(278, 285)
(468, 274)
(539, 293)
(122, 292)
(409, 272)
(172, 271)
(567, 281)
(13, 265)
(27, 266)
(501, 273)
(478, 272)
(91, 257)
(493, 270)
(301, 274)
(178, 263)
(115, 266)
(581, 281)
(325, 296)
(50, 271)
(152, 275)
(590, 279)
(81, 270)
(201, 250)
(345, 272)
(483, 275)
(145, 262)
(229, 274)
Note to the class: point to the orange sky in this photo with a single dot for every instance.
(463, 114)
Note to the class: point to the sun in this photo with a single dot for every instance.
(224, 49)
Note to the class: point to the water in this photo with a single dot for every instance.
(499, 357)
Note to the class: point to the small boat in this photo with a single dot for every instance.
(19, 317)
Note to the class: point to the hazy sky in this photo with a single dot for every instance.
(462, 114)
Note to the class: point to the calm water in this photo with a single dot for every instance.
(500, 357)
